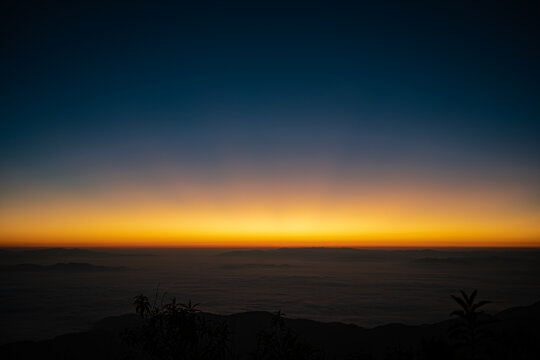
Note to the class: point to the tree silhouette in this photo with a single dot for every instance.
(470, 329)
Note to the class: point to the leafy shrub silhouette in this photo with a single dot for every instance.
(470, 331)
(178, 331)
(279, 342)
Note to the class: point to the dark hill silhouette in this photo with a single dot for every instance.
(472, 260)
(59, 253)
(415, 256)
(447, 260)
(53, 252)
(255, 266)
(61, 267)
(515, 335)
(314, 253)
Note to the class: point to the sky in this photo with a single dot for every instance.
(218, 123)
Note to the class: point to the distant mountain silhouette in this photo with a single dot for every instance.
(431, 260)
(54, 252)
(59, 253)
(415, 256)
(513, 337)
(314, 253)
(471, 260)
(61, 267)
(255, 266)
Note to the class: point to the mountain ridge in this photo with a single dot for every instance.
(337, 340)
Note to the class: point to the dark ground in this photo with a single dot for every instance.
(515, 335)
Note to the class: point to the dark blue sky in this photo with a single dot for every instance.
(89, 75)
(433, 90)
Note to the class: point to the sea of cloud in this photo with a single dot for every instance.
(364, 287)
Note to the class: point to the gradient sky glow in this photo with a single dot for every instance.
(317, 123)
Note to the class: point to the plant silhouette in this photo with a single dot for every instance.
(471, 328)
(279, 342)
(178, 331)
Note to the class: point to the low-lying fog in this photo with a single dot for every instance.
(43, 293)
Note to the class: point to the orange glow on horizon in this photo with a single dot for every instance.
(274, 243)
(256, 214)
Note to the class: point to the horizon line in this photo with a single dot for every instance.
(269, 247)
